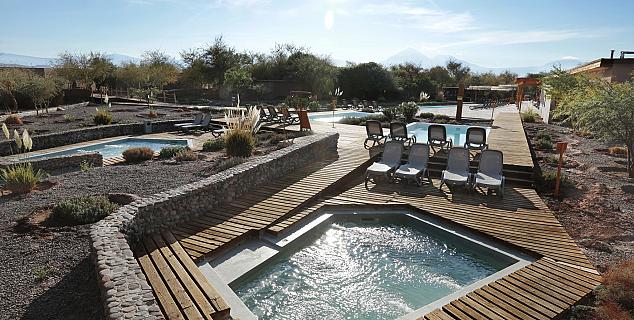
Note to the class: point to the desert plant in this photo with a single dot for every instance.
(549, 179)
(277, 138)
(82, 210)
(351, 120)
(618, 285)
(441, 118)
(102, 117)
(409, 110)
(238, 119)
(69, 118)
(530, 116)
(554, 161)
(314, 106)
(21, 178)
(214, 145)
(544, 144)
(239, 143)
(229, 163)
(426, 115)
(139, 154)
(390, 113)
(186, 155)
(13, 119)
(41, 273)
(616, 150)
(423, 96)
(544, 135)
(169, 152)
(85, 166)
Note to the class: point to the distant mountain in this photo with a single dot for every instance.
(9, 59)
(417, 57)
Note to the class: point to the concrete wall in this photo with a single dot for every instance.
(60, 164)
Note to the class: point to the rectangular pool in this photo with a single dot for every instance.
(323, 117)
(370, 269)
(115, 148)
(458, 133)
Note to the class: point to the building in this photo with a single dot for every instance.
(610, 69)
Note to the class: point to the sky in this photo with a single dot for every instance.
(486, 32)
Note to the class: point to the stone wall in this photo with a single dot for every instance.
(57, 139)
(124, 286)
(60, 164)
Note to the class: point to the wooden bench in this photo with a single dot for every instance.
(181, 289)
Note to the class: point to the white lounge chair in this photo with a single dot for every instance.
(416, 166)
(390, 161)
(202, 125)
(457, 172)
(197, 120)
(437, 137)
(490, 171)
(375, 134)
(476, 139)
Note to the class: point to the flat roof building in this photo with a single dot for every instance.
(609, 69)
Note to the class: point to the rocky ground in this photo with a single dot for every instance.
(47, 272)
(597, 210)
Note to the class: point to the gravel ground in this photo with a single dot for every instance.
(598, 212)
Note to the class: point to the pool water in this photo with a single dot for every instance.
(339, 115)
(116, 147)
(458, 133)
(366, 270)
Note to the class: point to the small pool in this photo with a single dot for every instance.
(381, 268)
(458, 133)
(323, 117)
(115, 148)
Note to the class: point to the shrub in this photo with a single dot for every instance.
(85, 165)
(169, 152)
(441, 118)
(82, 210)
(530, 116)
(136, 155)
(543, 144)
(544, 135)
(214, 145)
(186, 155)
(549, 180)
(618, 285)
(554, 161)
(21, 178)
(426, 115)
(611, 311)
(13, 119)
(409, 110)
(229, 162)
(102, 117)
(314, 106)
(41, 273)
(617, 150)
(351, 120)
(276, 138)
(69, 118)
(390, 113)
(239, 143)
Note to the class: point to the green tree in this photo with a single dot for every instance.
(160, 69)
(130, 75)
(458, 72)
(411, 80)
(367, 81)
(238, 79)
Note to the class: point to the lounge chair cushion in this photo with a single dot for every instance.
(406, 171)
(379, 168)
(455, 178)
(488, 181)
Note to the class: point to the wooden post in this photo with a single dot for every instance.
(459, 100)
(561, 148)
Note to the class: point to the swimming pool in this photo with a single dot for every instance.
(367, 268)
(458, 133)
(115, 148)
(323, 117)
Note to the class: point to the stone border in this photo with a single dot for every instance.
(58, 139)
(125, 290)
(59, 164)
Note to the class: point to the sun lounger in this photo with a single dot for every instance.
(390, 161)
(416, 166)
(398, 132)
(375, 134)
(263, 116)
(218, 131)
(457, 172)
(476, 139)
(489, 173)
(197, 120)
(203, 125)
(273, 116)
(289, 118)
(437, 137)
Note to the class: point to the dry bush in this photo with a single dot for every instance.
(611, 311)
(186, 155)
(618, 285)
(13, 119)
(617, 150)
(136, 155)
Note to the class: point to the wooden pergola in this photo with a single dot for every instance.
(521, 84)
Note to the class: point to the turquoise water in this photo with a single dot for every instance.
(339, 115)
(361, 270)
(458, 133)
(115, 148)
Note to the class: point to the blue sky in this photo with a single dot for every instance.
(486, 32)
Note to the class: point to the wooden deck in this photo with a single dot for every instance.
(560, 276)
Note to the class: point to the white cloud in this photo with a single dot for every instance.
(421, 17)
(329, 19)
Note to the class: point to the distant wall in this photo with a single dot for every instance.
(60, 164)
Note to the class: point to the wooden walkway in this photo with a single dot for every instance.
(507, 135)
